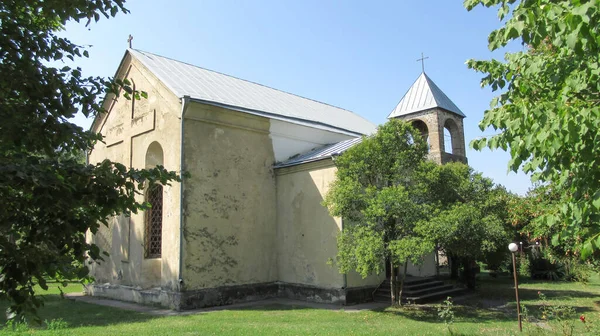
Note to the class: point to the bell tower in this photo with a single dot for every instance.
(437, 117)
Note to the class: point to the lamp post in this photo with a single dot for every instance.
(514, 248)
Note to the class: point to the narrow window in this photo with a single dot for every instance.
(448, 141)
(154, 217)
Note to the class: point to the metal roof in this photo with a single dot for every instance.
(320, 153)
(212, 87)
(423, 95)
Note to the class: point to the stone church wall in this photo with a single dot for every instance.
(426, 269)
(229, 200)
(248, 232)
(307, 238)
(306, 233)
(129, 129)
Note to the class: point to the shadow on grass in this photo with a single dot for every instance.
(81, 314)
(462, 314)
(494, 301)
(502, 291)
(78, 314)
(275, 307)
(506, 295)
(469, 314)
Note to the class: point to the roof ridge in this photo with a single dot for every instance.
(431, 84)
(426, 87)
(404, 95)
(249, 81)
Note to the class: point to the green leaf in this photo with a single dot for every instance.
(587, 250)
(556, 239)
(548, 110)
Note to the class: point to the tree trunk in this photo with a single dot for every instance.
(397, 272)
(402, 282)
(392, 282)
(469, 272)
(437, 261)
(454, 265)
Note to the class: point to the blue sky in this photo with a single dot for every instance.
(360, 56)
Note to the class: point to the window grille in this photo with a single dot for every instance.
(154, 222)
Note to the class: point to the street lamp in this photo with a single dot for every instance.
(514, 248)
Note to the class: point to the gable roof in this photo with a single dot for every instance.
(216, 88)
(320, 153)
(424, 95)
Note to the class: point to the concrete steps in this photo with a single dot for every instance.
(418, 290)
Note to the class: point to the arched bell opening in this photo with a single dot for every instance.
(421, 126)
(451, 138)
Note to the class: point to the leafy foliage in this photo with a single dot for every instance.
(446, 312)
(50, 197)
(548, 113)
(468, 214)
(376, 191)
(549, 261)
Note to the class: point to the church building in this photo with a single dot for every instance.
(248, 223)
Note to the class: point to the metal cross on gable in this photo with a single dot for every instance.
(422, 59)
(129, 40)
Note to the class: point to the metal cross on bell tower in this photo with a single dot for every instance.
(422, 59)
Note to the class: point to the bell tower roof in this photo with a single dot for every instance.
(424, 95)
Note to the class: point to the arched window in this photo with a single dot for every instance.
(450, 137)
(154, 217)
(447, 140)
(154, 155)
(421, 126)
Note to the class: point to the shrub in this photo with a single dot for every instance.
(577, 271)
(56, 324)
(446, 313)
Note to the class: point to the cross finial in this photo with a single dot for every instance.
(422, 59)
(129, 40)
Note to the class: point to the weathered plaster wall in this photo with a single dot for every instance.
(425, 269)
(229, 201)
(306, 233)
(129, 129)
(354, 279)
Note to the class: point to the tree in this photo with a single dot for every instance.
(375, 192)
(467, 217)
(526, 214)
(50, 198)
(548, 113)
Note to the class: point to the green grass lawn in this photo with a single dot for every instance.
(491, 311)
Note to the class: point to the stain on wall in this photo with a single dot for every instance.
(229, 201)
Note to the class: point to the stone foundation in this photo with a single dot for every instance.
(312, 293)
(227, 295)
(149, 297)
(359, 295)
